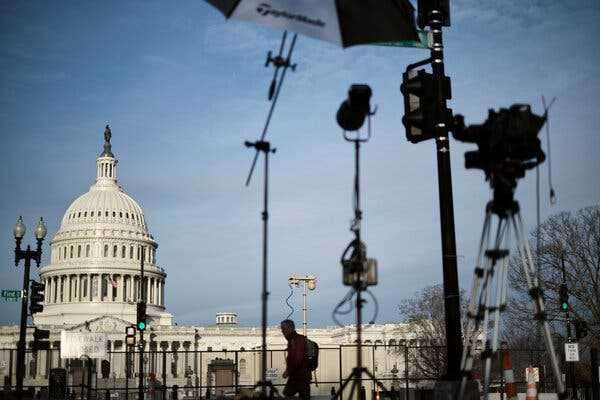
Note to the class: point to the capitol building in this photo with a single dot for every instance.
(92, 284)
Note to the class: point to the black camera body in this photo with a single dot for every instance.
(508, 145)
(507, 141)
(353, 111)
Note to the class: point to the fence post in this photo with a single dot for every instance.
(164, 372)
(340, 374)
(406, 388)
(595, 374)
(236, 372)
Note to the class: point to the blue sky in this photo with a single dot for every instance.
(183, 88)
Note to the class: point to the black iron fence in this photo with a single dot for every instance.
(404, 372)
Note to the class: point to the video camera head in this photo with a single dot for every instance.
(508, 145)
(507, 139)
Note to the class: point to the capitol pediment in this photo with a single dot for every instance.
(104, 324)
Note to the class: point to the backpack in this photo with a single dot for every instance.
(312, 354)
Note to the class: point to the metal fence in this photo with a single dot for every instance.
(405, 372)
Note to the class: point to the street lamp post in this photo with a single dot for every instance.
(27, 255)
(310, 282)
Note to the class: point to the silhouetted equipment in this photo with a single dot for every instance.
(36, 302)
(278, 62)
(141, 316)
(421, 116)
(40, 339)
(581, 329)
(563, 297)
(274, 90)
(427, 116)
(429, 10)
(507, 141)
(507, 146)
(353, 111)
(359, 272)
(265, 148)
(357, 267)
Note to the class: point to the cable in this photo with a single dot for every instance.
(336, 311)
(288, 303)
(546, 109)
(376, 304)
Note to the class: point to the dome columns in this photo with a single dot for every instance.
(106, 170)
(105, 288)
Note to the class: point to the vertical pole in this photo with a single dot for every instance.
(406, 382)
(237, 373)
(164, 373)
(23, 326)
(265, 293)
(570, 365)
(143, 300)
(595, 374)
(450, 273)
(340, 376)
(10, 368)
(126, 372)
(304, 309)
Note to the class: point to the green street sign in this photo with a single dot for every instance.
(422, 43)
(11, 294)
(10, 299)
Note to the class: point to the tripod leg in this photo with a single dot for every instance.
(491, 297)
(474, 315)
(345, 383)
(536, 295)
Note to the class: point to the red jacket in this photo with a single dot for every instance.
(297, 365)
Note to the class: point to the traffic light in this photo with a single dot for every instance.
(40, 341)
(420, 90)
(581, 329)
(36, 302)
(141, 316)
(563, 297)
(130, 335)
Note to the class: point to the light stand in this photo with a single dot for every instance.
(264, 147)
(357, 273)
(310, 282)
(27, 255)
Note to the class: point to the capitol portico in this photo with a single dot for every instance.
(92, 284)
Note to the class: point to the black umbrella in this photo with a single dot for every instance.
(344, 22)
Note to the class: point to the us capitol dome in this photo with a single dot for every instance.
(97, 253)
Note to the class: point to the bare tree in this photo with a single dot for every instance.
(424, 311)
(572, 241)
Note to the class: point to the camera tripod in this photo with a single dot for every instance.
(359, 280)
(488, 294)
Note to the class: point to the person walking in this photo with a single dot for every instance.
(297, 370)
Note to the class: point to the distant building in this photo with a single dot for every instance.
(93, 284)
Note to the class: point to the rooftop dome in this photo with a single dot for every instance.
(106, 201)
(96, 257)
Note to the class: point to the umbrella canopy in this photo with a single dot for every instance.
(344, 22)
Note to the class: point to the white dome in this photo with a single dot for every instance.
(96, 257)
(104, 205)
